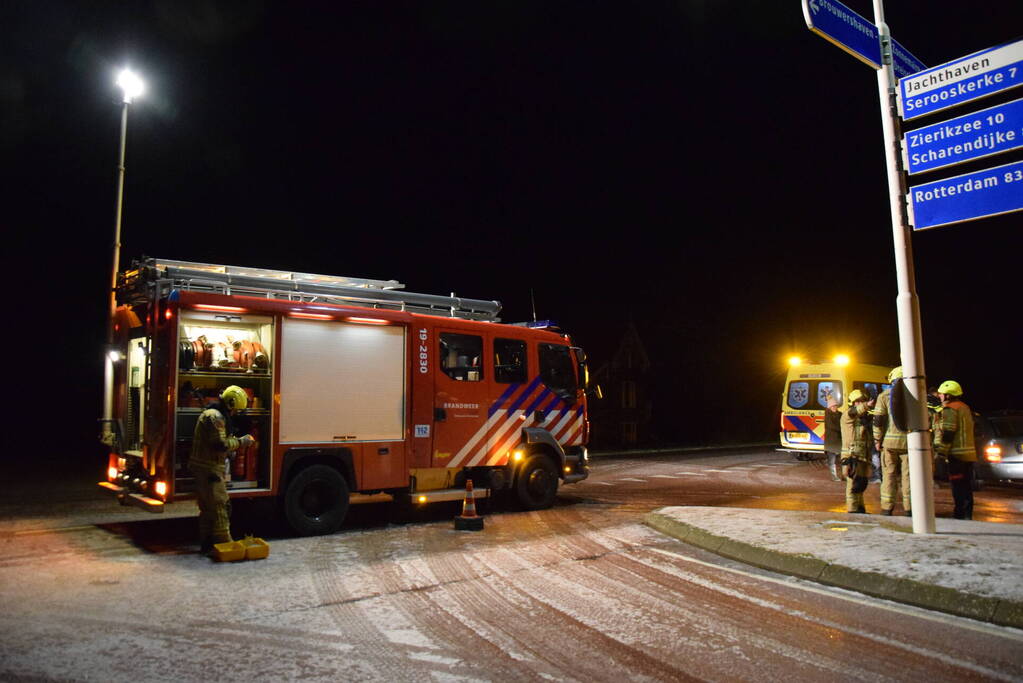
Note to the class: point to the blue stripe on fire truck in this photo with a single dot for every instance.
(539, 400)
(509, 392)
(524, 396)
(502, 398)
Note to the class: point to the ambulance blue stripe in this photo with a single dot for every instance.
(799, 421)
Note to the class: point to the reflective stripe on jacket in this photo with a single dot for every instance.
(958, 419)
(894, 438)
(935, 415)
(211, 442)
(855, 434)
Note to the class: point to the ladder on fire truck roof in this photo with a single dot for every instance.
(153, 277)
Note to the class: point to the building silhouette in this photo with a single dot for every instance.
(622, 418)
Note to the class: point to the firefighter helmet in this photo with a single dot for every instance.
(235, 398)
(857, 395)
(950, 387)
(895, 374)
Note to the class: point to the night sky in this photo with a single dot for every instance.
(709, 171)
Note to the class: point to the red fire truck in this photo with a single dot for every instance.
(358, 391)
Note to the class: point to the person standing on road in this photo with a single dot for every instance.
(891, 441)
(876, 473)
(833, 436)
(856, 450)
(211, 444)
(955, 441)
(934, 413)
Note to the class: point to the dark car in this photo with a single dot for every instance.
(999, 438)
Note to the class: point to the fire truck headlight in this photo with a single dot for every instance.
(112, 473)
(161, 488)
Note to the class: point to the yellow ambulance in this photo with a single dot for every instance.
(805, 398)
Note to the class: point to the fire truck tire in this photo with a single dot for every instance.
(537, 483)
(316, 501)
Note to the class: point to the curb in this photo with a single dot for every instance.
(929, 596)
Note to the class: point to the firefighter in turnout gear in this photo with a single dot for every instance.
(954, 440)
(934, 414)
(891, 441)
(211, 444)
(856, 450)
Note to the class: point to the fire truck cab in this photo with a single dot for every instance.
(358, 391)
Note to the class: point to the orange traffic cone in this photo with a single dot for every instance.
(468, 521)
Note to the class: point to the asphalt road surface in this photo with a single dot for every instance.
(584, 591)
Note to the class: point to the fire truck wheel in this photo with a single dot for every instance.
(316, 501)
(537, 483)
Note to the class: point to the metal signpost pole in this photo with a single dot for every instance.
(908, 304)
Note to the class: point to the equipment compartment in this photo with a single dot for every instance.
(216, 350)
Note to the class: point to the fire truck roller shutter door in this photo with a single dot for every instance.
(328, 369)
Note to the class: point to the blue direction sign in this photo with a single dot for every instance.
(838, 24)
(967, 197)
(977, 135)
(968, 78)
(903, 61)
